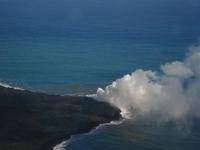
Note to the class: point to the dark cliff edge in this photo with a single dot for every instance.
(38, 121)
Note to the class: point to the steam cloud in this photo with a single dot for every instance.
(172, 93)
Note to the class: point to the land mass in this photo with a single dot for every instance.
(38, 121)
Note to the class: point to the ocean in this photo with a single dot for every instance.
(140, 134)
(75, 47)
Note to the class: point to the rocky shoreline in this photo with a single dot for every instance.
(38, 121)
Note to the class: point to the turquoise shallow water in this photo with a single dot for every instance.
(63, 65)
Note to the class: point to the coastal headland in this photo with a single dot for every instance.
(38, 121)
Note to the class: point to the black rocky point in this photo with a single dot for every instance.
(38, 121)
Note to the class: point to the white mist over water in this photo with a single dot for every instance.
(171, 94)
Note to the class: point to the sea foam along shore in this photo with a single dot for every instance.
(64, 144)
(11, 87)
(72, 138)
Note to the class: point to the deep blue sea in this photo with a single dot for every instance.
(76, 46)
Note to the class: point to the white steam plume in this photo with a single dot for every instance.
(172, 94)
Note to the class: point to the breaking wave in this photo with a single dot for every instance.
(9, 86)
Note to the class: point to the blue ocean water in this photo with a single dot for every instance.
(71, 47)
(71, 65)
(74, 47)
(140, 134)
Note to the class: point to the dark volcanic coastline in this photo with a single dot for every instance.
(38, 121)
